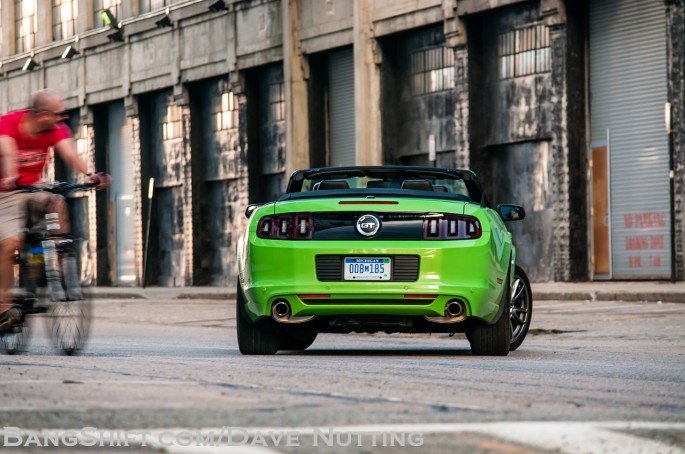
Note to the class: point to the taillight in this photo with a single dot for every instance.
(431, 228)
(304, 226)
(265, 227)
(451, 228)
(286, 227)
(472, 228)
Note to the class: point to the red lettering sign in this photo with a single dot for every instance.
(634, 261)
(656, 242)
(636, 243)
(649, 220)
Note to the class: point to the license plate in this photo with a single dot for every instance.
(367, 269)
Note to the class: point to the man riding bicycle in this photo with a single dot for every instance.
(25, 138)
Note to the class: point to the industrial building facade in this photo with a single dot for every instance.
(574, 109)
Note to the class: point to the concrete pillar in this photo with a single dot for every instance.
(367, 93)
(8, 14)
(295, 78)
(85, 146)
(140, 188)
(555, 19)
(43, 23)
(182, 100)
(675, 33)
(89, 137)
(5, 37)
(84, 21)
(455, 39)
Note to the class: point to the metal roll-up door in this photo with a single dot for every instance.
(628, 86)
(341, 107)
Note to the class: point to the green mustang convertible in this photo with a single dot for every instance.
(380, 249)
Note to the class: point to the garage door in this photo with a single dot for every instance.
(628, 84)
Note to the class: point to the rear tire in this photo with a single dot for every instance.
(521, 308)
(258, 338)
(494, 339)
(296, 341)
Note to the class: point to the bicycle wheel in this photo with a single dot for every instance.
(70, 311)
(16, 339)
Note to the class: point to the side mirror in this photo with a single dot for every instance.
(511, 212)
(250, 209)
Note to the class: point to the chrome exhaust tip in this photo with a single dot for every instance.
(455, 312)
(282, 313)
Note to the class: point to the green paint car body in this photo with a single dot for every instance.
(368, 249)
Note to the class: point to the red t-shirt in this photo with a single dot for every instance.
(33, 150)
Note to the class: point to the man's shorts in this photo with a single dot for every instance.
(12, 213)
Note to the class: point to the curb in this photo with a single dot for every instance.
(670, 297)
(205, 296)
(180, 296)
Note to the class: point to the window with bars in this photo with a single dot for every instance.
(26, 23)
(64, 14)
(172, 126)
(432, 70)
(114, 7)
(276, 102)
(151, 5)
(226, 112)
(524, 51)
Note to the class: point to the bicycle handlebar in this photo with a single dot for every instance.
(57, 187)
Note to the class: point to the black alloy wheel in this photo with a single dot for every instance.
(521, 307)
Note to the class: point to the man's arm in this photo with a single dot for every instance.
(66, 148)
(8, 159)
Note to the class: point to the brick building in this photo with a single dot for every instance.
(562, 106)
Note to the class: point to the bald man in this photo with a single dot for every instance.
(25, 139)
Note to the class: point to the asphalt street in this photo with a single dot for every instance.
(600, 376)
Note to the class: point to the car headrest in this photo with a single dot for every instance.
(333, 184)
(439, 188)
(417, 185)
(377, 184)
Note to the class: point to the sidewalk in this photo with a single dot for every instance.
(653, 291)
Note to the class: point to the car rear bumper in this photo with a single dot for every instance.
(465, 270)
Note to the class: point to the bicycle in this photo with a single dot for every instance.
(49, 275)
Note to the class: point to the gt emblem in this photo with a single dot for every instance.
(368, 225)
